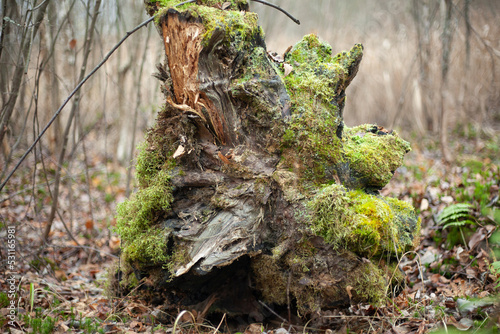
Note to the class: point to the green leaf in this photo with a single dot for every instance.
(456, 215)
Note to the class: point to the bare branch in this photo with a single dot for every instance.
(278, 8)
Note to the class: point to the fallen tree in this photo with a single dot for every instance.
(250, 186)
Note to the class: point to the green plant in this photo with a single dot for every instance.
(92, 326)
(456, 215)
(457, 219)
(477, 185)
(4, 300)
(39, 323)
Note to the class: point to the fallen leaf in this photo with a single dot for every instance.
(135, 324)
(477, 237)
(462, 325)
(288, 69)
(89, 224)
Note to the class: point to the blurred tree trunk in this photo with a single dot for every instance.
(52, 78)
(422, 17)
(10, 11)
(30, 30)
(446, 39)
(462, 105)
(87, 47)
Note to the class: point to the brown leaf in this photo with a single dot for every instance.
(288, 69)
(225, 5)
(60, 274)
(89, 224)
(342, 330)
(136, 324)
(477, 238)
(450, 303)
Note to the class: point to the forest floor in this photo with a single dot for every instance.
(451, 279)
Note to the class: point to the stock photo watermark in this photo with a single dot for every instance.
(12, 276)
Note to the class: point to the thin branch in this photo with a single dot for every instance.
(272, 311)
(278, 8)
(77, 88)
(185, 2)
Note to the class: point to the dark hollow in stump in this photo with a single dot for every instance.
(250, 186)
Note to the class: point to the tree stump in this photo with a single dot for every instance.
(250, 186)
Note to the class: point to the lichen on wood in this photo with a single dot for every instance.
(249, 183)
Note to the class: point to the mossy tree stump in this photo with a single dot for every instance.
(250, 186)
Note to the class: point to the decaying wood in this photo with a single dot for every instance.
(239, 224)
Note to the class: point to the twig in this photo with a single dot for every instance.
(272, 311)
(185, 2)
(97, 250)
(278, 8)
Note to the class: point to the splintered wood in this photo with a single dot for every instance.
(182, 41)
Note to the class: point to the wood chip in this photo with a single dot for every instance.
(179, 152)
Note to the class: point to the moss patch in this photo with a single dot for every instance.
(142, 239)
(311, 143)
(366, 224)
(369, 284)
(270, 279)
(239, 27)
(373, 155)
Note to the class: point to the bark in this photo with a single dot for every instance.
(250, 185)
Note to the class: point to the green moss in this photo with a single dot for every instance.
(332, 217)
(369, 284)
(149, 162)
(365, 224)
(374, 157)
(179, 257)
(346, 59)
(311, 143)
(136, 217)
(310, 50)
(270, 279)
(239, 27)
(141, 241)
(405, 220)
(233, 4)
(395, 276)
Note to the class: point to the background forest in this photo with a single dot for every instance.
(430, 70)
